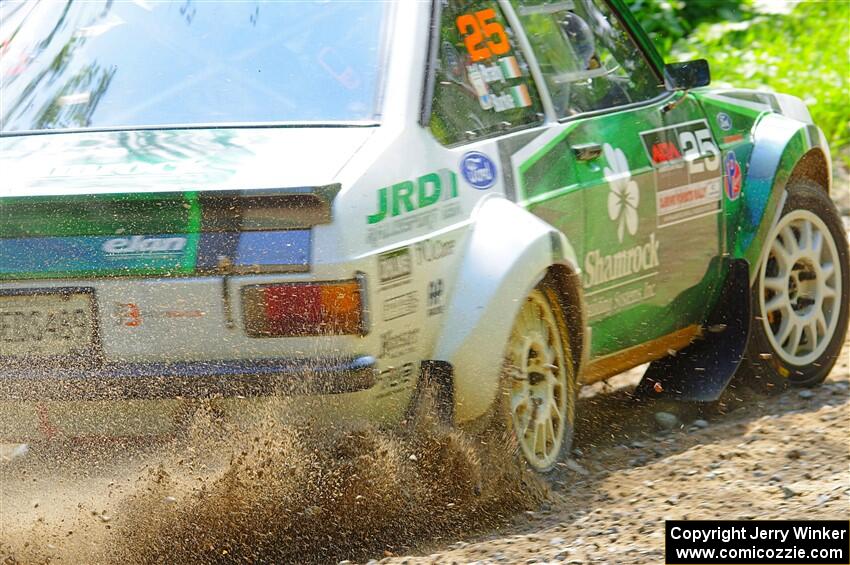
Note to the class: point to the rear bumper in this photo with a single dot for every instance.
(196, 379)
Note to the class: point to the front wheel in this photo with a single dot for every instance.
(539, 384)
(800, 299)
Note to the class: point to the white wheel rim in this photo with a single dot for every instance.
(800, 288)
(538, 381)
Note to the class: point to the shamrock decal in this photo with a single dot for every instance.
(623, 196)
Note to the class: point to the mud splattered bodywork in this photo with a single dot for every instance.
(146, 257)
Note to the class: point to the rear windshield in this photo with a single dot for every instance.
(93, 64)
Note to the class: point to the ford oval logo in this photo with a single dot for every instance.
(724, 121)
(478, 170)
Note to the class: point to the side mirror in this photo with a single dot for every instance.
(684, 76)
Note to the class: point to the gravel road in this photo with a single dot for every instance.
(281, 495)
(779, 457)
(401, 500)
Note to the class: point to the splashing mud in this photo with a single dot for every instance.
(284, 493)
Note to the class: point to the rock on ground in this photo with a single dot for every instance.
(765, 457)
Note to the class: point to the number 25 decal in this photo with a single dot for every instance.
(478, 32)
(699, 144)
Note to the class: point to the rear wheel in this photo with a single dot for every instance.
(539, 382)
(800, 299)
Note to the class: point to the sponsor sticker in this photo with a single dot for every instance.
(429, 219)
(623, 195)
(478, 170)
(625, 256)
(407, 207)
(129, 315)
(624, 264)
(396, 379)
(395, 344)
(436, 295)
(724, 122)
(664, 152)
(433, 250)
(479, 84)
(733, 176)
(395, 267)
(400, 306)
(491, 74)
(481, 76)
(604, 304)
(97, 255)
(515, 97)
(406, 197)
(687, 171)
(689, 201)
(141, 246)
(132, 315)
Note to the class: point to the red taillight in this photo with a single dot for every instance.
(302, 309)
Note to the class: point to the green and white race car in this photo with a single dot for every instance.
(342, 204)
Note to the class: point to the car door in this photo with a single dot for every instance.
(645, 174)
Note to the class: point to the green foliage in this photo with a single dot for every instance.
(662, 21)
(667, 21)
(805, 52)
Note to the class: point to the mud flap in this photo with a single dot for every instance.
(437, 378)
(701, 371)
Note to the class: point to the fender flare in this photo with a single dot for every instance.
(779, 145)
(508, 253)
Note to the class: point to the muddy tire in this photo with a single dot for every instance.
(800, 296)
(536, 405)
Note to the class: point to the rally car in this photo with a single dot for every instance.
(345, 204)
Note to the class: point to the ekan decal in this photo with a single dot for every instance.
(688, 175)
(478, 31)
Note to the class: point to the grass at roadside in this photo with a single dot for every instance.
(803, 50)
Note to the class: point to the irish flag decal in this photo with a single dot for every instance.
(510, 68)
(520, 96)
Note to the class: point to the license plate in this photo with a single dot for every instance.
(46, 325)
